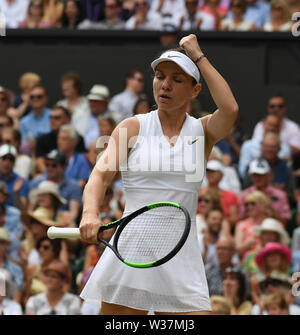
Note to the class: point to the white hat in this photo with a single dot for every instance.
(259, 166)
(99, 92)
(7, 149)
(271, 224)
(183, 61)
(47, 186)
(4, 235)
(215, 165)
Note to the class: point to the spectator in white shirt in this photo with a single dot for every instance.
(143, 18)
(14, 11)
(168, 9)
(193, 18)
(289, 130)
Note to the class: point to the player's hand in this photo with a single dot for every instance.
(89, 227)
(191, 46)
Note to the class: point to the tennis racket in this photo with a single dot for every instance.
(146, 238)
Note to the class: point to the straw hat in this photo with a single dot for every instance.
(47, 186)
(273, 247)
(42, 215)
(4, 235)
(271, 224)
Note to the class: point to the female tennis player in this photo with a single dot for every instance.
(179, 286)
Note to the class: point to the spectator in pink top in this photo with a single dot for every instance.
(260, 175)
(214, 8)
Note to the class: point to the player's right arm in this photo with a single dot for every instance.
(102, 175)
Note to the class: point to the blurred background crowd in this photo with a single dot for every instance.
(162, 15)
(248, 216)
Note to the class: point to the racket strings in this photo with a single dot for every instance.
(152, 235)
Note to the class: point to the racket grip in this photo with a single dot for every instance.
(59, 232)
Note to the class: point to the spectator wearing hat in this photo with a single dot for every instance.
(17, 186)
(258, 207)
(260, 174)
(37, 121)
(56, 163)
(143, 18)
(59, 116)
(122, 104)
(289, 130)
(214, 175)
(23, 164)
(251, 149)
(37, 223)
(230, 180)
(236, 291)
(15, 270)
(14, 11)
(86, 122)
(55, 301)
(281, 174)
(194, 18)
(276, 283)
(7, 305)
(78, 167)
(270, 230)
(272, 257)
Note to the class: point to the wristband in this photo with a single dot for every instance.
(199, 58)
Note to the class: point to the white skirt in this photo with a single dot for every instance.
(179, 285)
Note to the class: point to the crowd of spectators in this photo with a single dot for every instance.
(248, 216)
(162, 15)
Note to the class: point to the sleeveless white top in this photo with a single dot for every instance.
(156, 171)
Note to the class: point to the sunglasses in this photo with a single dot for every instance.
(250, 203)
(54, 165)
(111, 6)
(45, 247)
(237, 5)
(276, 8)
(276, 106)
(141, 4)
(3, 99)
(39, 97)
(55, 117)
(191, 3)
(140, 80)
(3, 125)
(36, 5)
(9, 158)
(207, 201)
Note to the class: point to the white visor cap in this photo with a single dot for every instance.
(183, 61)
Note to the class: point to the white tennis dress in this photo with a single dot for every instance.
(156, 171)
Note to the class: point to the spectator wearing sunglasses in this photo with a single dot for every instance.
(17, 186)
(56, 300)
(260, 174)
(237, 22)
(289, 130)
(37, 121)
(112, 19)
(280, 18)
(23, 164)
(143, 18)
(45, 143)
(56, 163)
(34, 17)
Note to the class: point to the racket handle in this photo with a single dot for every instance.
(59, 232)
